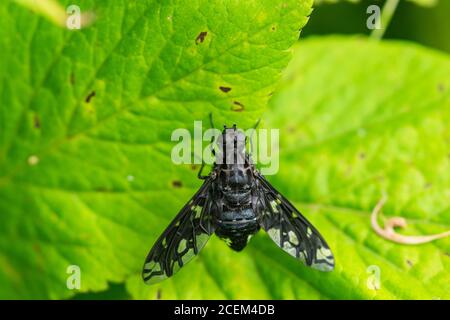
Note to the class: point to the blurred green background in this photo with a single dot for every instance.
(427, 25)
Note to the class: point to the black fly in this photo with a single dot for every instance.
(234, 202)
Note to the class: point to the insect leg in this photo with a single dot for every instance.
(199, 175)
(256, 124)
(212, 148)
(211, 123)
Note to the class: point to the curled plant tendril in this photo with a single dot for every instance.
(388, 232)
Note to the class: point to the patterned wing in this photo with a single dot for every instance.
(290, 230)
(186, 235)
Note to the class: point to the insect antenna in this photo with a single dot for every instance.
(251, 135)
(211, 123)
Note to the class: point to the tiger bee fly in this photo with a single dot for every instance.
(234, 202)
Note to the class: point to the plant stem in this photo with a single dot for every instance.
(51, 9)
(386, 16)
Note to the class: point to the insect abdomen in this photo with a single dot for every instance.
(236, 227)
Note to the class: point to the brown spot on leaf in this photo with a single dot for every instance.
(37, 121)
(90, 96)
(441, 87)
(158, 294)
(225, 89)
(177, 184)
(362, 155)
(72, 78)
(409, 262)
(201, 37)
(238, 107)
(194, 167)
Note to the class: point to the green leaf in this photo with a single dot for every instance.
(357, 119)
(86, 117)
